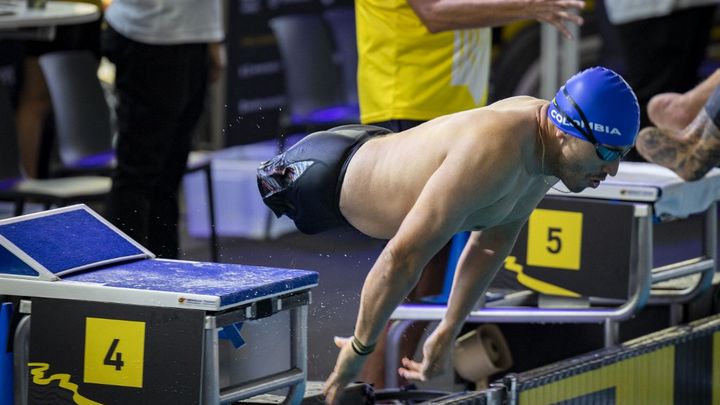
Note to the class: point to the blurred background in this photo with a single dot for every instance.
(289, 69)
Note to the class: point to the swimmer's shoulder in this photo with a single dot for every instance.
(513, 112)
(517, 103)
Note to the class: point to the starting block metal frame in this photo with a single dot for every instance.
(107, 295)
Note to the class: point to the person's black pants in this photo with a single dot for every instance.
(161, 95)
(663, 54)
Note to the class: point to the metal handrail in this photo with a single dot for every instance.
(543, 315)
(681, 269)
(263, 385)
(643, 279)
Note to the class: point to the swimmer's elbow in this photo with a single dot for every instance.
(402, 262)
(395, 258)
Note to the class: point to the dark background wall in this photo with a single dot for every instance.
(255, 92)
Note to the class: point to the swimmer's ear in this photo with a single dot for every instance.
(560, 135)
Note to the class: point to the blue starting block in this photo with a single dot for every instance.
(112, 324)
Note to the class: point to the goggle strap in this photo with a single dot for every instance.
(572, 122)
(587, 132)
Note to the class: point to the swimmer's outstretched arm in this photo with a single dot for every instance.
(479, 263)
(480, 260)
(449, 196)
(424, 231)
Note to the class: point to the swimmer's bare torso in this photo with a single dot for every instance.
(481, 168)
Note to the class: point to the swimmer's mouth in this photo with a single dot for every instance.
(596, 180)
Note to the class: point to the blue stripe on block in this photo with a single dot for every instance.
(68, 240)
(232, 333)
(233, 283)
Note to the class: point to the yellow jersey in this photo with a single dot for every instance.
(405, 72)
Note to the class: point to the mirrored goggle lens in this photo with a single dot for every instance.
(608, 154)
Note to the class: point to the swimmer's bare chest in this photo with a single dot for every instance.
(514, 206)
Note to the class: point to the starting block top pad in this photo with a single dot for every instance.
(223, 285)
(73, 253)
(52, 243)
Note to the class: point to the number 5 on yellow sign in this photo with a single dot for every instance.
(555, 239)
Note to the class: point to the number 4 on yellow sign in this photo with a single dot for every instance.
(114, 352)
(554, 239)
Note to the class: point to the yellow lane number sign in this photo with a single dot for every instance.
(554, 239)
(114, 352)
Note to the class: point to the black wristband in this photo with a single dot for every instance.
(359, 348)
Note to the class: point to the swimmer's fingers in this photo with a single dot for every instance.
(332, 390)
(412, 370)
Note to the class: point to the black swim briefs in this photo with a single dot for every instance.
(304, 182)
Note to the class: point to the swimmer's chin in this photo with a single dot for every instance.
(576, 188)
(579, 188)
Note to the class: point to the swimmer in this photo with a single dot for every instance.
(691, 151)
(482, 170)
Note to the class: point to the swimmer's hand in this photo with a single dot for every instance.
(346, 368)
(435, 354)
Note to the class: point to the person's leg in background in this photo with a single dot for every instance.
(691, 152)
(164, 210)
(675, 111)
(34, 104)
(430, 284)
(32, 110)
(152, 86)
(669, 62)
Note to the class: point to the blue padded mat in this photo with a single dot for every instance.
(233, 283)
(68, 240)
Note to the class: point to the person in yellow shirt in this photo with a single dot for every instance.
(421, 59)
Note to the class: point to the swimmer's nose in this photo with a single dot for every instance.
(611, 168)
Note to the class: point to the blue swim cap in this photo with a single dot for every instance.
(598, 100)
